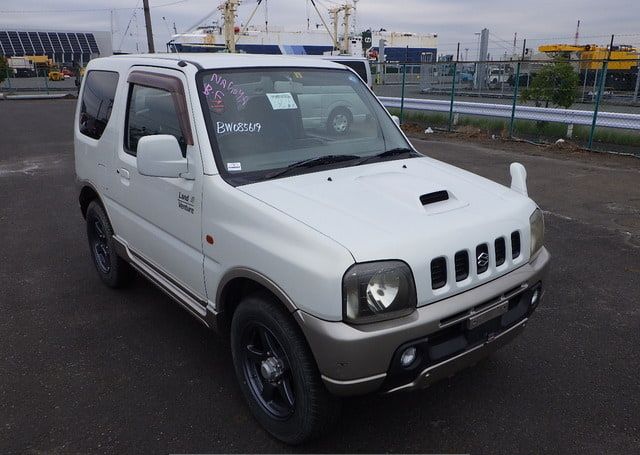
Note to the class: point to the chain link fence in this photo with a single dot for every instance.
(38, 81)
(592, 103)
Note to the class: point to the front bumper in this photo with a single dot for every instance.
(356, 360)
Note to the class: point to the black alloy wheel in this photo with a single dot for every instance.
(277, 372)
(99, 245)
(267, 371)
(113, 270)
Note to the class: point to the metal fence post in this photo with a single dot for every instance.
(515, 100)
(635, 92)
(584, 82)
(603, 81)
(453, 93)
(46, 80)
(404, 73)
(603, 77)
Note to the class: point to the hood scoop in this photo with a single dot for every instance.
(440, 202)
(432, 198)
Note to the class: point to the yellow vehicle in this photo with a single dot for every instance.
(56, 75)
(623, 57)
(588, 59)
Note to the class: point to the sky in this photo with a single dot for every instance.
(539, 21)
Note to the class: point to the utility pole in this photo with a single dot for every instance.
(345, 37)
(111, 28)
(481, 68)
(355, 17)
(334, 17)
(147, 23)
(229, 9)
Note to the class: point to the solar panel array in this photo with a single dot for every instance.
(56, 45)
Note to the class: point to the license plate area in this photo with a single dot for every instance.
(492, 313)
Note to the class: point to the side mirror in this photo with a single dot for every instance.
(396, 119)
(160, 156)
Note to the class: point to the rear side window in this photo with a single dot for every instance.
(97, 101)
(357, 66)
(151, 111)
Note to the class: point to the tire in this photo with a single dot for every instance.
(339, 121)
(114, 271)
(292, 404)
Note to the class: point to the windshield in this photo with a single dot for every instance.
(273, 122)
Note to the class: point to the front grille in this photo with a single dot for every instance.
(515, 244)
(501, 251)
(475, 262)
(462, 265)
(482, 258)
(438, 273)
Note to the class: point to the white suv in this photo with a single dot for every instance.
(338, 264)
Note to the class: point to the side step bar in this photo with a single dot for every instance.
(194, 305)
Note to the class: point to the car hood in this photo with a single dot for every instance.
(365, 207)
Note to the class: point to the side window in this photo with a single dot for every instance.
(151, 111)
(97, 101)
(357, 66)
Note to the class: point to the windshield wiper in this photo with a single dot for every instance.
(312, 162)
(389, 154)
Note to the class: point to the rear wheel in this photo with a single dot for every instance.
(113, 270)
(277, 372)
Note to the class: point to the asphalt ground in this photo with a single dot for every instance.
(84, 368)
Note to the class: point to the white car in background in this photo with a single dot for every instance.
(336, 111)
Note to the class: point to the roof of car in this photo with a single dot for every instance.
(224, 60)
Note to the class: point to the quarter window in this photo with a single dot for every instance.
(151, 111)
(97, 101)
(357, 66)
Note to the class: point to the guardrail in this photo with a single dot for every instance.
(566, 116)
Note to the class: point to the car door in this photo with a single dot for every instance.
(159, 218)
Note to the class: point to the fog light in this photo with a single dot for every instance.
(535, 296)
(408, 357)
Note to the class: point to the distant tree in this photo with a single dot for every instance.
(556, 83)
(4, 69)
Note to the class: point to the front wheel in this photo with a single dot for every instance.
(277, 373)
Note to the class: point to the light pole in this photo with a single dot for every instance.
(147, 23)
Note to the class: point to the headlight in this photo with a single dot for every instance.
(536, 221)
(375, 291)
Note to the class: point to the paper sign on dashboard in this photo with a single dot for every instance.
(281, 101)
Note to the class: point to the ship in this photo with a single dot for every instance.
(340, 39)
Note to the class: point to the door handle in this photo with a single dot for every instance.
(123, 173)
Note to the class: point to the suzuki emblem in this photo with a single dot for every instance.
(483, 259)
